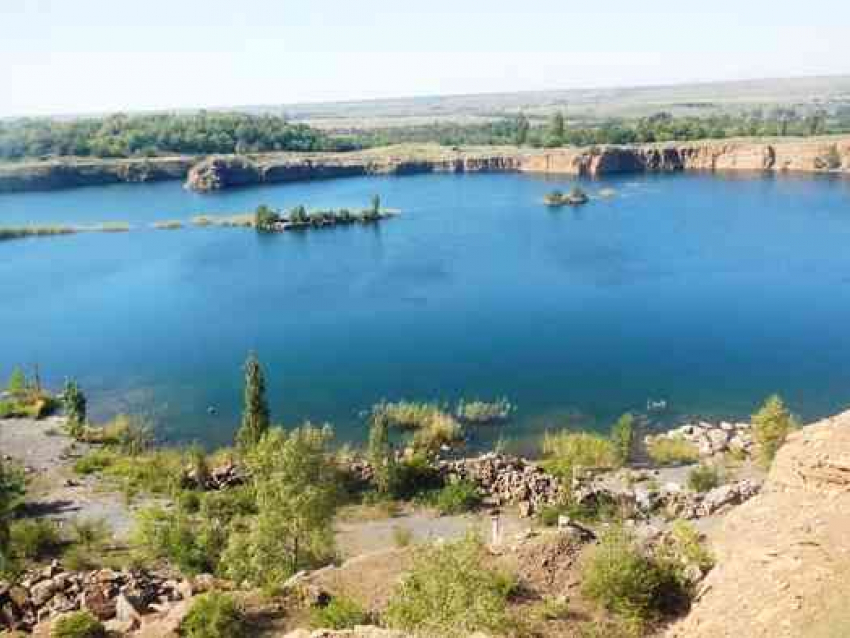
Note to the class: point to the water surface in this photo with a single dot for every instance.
(708, 291)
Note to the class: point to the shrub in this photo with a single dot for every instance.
(407, 415)
(339, 613)
(192, 546)
(703, 478)
(34, 539)
(441, 430)
(449, 592)
(688, 547)
(402, 536)
(214, 615)
(94, 462)
(570, 450)
(458, 497)
(89, 533)
(672, 451)
(77, 624)
(622, 436)
(625, 581)
(415, 476)
(771, 426)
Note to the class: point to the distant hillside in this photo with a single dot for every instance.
(682, 100)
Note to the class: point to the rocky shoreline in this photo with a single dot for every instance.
(206, 174)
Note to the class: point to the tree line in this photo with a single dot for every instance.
(660, 127)
(123, 135)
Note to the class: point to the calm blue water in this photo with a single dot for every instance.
(710, 292)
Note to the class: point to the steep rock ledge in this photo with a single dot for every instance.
(783, 558)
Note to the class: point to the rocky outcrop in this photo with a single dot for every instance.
(216, 173)
(58, 174)
(783, 558)
(502, 479)
(710, 439)
(124, 598)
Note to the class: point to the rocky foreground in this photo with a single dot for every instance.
(808, 155)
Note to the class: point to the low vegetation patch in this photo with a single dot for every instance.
(339, 613)
(77, 624)
(567, 451)
(672, 451)
(172, 224)
(451, 592)
(214, 615)
(458, 498)
(25, 398)
(703, 478)
(630, 582)
(479, 412)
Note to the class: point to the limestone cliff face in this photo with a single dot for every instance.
(57, 174)
(216, 173)
(815, 155)
(783, 557)
(828, 154)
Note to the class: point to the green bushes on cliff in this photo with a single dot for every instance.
(771, 426)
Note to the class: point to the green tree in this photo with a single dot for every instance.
(264, 218)
(295, 485)
(255, 416)
(771, 425)
(381, 454)
(376, 204)
(75, 407)
(522, 128)
(17, 382)
(622, 436)
(557, 130)
(11, 491)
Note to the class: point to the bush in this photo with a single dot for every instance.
(449, 592)
(192, 546)
(672, 451)
(402, 537)
(622, 436)
(771, 426)
(703, 478)
(457, 498)
(89, 533)
(414, 477)
(570, 450)
(214, 615)
(441, 430)
(621, 578)
(94, 462)
(339, 613)
(688, 548)
(33, 539)
(77, 624)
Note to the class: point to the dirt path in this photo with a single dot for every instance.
(362, 537)
(53, 490)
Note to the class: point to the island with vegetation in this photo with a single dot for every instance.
(282, 531)
(556, 198)
(267, 220)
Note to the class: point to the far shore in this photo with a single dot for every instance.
(826, 154)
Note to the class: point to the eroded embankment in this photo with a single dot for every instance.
(811, 155)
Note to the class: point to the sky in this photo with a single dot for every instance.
(78, 56)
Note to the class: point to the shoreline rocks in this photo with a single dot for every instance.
(711, 439)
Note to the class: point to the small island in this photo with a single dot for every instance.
(556, 199)
(268, 220)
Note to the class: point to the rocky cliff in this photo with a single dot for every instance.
(57, 174)
(827, 154)
(783, 558)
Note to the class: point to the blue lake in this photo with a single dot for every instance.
(708, 291)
